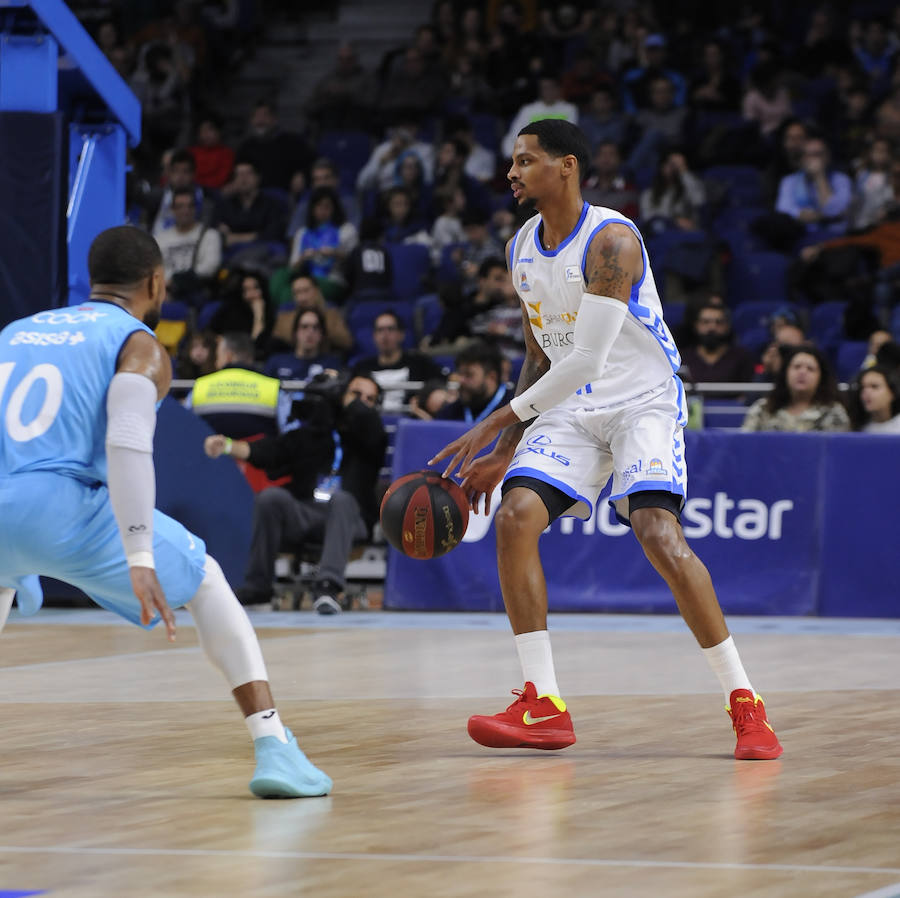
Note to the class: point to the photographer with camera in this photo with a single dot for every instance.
(333, 454)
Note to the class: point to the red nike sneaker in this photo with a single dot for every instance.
(756, 740)
(529, 722)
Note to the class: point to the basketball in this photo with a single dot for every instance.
(424, 515)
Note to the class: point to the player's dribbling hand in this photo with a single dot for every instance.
(482, 476)
(462, 451)
(150, 594)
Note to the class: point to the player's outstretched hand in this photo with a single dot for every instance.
(147, 588)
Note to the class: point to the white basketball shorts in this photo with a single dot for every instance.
(639, 443)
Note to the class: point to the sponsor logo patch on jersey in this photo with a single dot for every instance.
(573, 274)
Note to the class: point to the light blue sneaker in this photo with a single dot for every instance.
(283, 771)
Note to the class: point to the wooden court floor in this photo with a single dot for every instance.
(125, 765)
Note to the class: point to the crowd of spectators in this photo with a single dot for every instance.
(756, 150)
(756, 146)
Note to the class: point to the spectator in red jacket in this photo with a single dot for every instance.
(214, 159)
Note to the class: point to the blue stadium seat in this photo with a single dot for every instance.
(349, 150)
(743, 183)
(447, 362)
(673, 312)
(758, 276)
(205, 315)
(850, 356)
(755, 339)
(723, 413)
(826, 323)
(173, 310)
(486, 129)
(448, 271)
(660, 247)
(732, 224)
(895, 324)
(412, 266)
(361, 316)
(427, 313)
(750, 315)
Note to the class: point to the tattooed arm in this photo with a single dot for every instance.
(614, 261)
(535, 366)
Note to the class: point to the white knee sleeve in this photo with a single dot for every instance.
(225, 632)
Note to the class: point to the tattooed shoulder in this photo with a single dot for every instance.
(613, 262)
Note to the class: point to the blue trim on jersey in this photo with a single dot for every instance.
(512, 249)
(655, 325)
(682, 403)
(553, 252)
(637, 233)
(543, 476)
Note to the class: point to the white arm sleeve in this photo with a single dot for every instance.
(598, 324)
(131, 421)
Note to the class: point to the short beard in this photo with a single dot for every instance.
(151, 318)
(526, 209)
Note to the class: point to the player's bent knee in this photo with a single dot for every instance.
(519, 518)
(660, 535)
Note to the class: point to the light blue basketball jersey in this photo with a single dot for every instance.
(55, 369)
(55, 515)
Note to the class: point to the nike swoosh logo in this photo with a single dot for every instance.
(528, 720)
(267, 716)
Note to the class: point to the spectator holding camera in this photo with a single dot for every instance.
(333, 458)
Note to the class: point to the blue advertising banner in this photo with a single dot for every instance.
(861, 508)
(764, 512)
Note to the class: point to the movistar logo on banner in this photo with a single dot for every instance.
(721, 516)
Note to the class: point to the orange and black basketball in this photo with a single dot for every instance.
(424, 515)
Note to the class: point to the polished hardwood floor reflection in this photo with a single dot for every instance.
(125, 765)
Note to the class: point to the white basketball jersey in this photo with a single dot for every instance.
(551, 283)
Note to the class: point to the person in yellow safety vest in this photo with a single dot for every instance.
(236, 400)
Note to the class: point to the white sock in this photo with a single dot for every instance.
(726, 665)
(536, 659)
(266, 723)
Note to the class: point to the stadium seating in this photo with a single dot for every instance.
(758, 276)
(349, 150)
(752, 315)
(412, 267)
(850, 356)
(826, 323)
(723, 413)
(205, 315)
(361, 317)
(427, 313)
(742, 184)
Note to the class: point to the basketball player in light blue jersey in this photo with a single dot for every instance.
(79, 388)
(599, 389)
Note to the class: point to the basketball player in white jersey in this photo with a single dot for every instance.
(598, 397)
